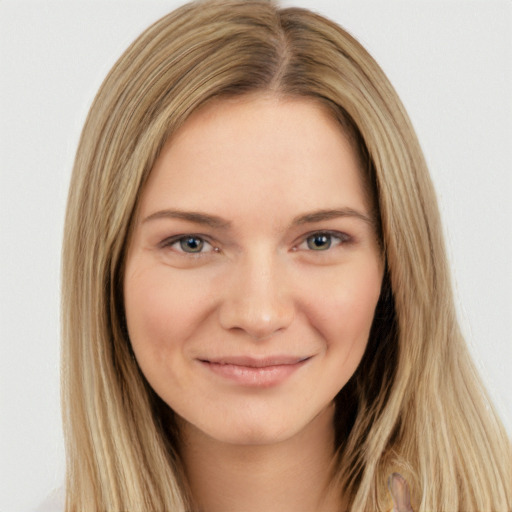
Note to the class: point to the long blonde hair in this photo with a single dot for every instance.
(415, 404)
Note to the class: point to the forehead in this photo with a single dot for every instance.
(254, 151)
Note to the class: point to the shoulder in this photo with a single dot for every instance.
(55, 502)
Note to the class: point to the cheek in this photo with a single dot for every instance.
(162, 311)
(343, 313)
(146, 306)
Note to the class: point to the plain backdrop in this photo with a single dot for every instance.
(451, 62)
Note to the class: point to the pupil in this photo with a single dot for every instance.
(192, 244)
(319, 242)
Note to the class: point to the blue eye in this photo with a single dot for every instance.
(191, 244)
(323, 241)
(188, 244)
(319, 242)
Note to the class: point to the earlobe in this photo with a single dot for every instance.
(400, 493)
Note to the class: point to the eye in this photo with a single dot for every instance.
(189, 244)
(323, 241)
(319, 242)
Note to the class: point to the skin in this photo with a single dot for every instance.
(263, 273)
(400, 493)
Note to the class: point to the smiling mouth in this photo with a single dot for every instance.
(253, 372)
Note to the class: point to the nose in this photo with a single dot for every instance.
(257, 300)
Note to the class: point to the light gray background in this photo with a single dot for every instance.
(451, 62)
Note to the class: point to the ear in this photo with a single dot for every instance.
(399, 490)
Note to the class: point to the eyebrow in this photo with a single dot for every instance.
(214, 221)
(197, 217)
(321, 215)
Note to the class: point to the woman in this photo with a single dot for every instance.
(255, 283)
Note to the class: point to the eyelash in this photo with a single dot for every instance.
(342, 239)
(170, 242)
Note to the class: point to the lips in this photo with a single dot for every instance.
(255, 372)
(255, 362)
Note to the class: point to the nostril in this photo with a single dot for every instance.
(258, 323)
(257, 300)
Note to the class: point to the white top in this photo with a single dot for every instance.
(55, 502)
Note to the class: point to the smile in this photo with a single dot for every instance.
(252, 372)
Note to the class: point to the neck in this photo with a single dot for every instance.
(291, 475)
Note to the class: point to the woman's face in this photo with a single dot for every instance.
(254, 269)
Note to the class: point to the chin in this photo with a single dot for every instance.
(240, 431)
(258, 435)
(253, 429)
